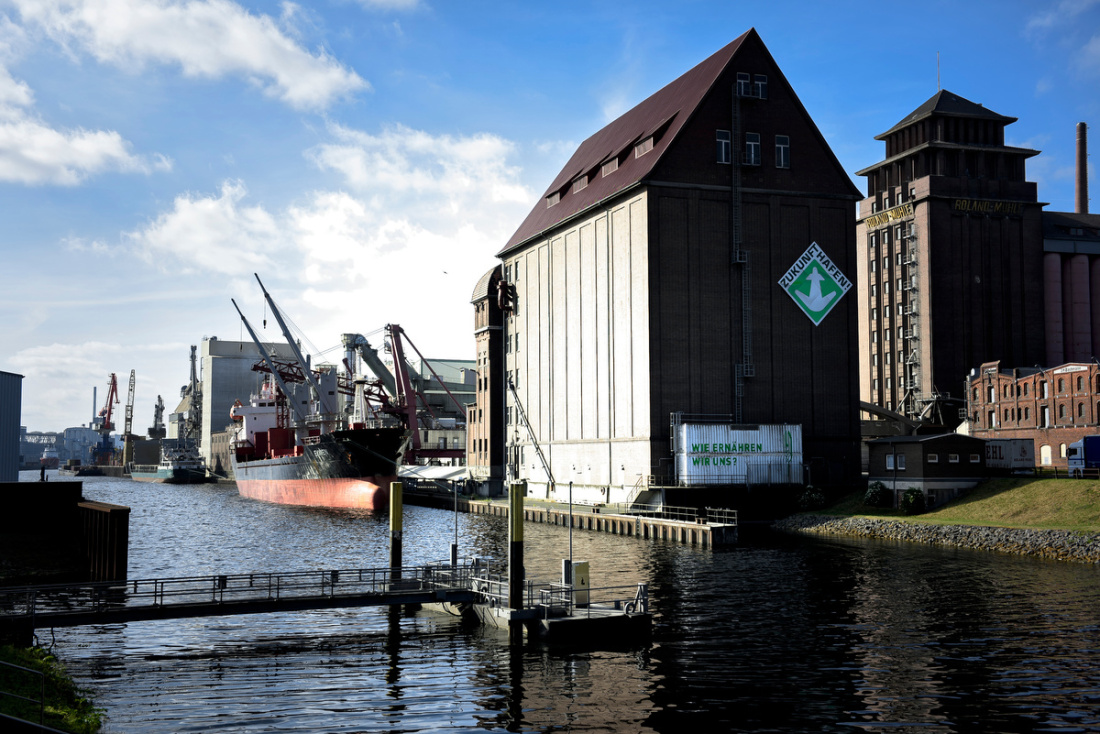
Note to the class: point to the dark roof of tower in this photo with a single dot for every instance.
(947, 104)
(481, 290)
(661, 115)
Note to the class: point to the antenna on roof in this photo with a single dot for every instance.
(938, 87)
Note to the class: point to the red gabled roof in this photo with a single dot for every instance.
(663, 114)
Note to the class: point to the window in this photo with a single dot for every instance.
(552, 199)
(580, 184)
(1044, 455)
(722, 143)
(975, 459)
(1063, 449)
(895, 462)
(874, 360)
(752, 149)
(782, 151)
(874, 314)
(874, 290)
(1027, 414)
(643, 147)
(744, 86)
(874, 335)
(873, 264)
(760, 82)
(1025, 389)
(1061, 385)
(953, 458)
(1043, 389)
(888, 356)
(1080, 383)
(1062, 411)
(933, 458)
(1080, 410)
(610, 167)
(889, 383)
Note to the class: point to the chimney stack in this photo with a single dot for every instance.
(1081, 206)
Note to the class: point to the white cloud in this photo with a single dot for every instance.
(210, 234)
(207, 38)
(416, 222)
(390, 4)
(1058, 14)
(31, 152)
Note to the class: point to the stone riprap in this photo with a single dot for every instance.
(1061, 545)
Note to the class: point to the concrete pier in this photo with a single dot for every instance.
(697, 532)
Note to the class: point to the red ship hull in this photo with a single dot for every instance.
(342, 492)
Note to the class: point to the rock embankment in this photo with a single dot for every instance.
(1062, 545)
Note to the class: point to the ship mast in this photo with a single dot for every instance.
(271, 365)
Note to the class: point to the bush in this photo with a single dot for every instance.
(912, 502)
(878, 495)
(811, 499)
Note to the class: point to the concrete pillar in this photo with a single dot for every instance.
(1052, 308)
(396, 521)
(516, 573)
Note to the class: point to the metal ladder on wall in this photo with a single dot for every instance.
(745, 368)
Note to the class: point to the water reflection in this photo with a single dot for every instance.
(778, 634)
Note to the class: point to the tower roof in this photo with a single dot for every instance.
(947, 104)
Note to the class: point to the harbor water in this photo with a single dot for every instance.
(777, 634)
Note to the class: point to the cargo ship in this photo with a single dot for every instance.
(49, 458)
(342, 468)
(296, 444)
(180, 463)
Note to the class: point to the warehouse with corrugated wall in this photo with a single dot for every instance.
(11, 403)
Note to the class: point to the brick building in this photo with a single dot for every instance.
(950, 245)
(1052, 406)
(654, 276)
(484, 417)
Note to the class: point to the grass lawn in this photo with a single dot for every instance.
(1025, 502)
(66, 707)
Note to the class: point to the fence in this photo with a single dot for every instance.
(41, 700)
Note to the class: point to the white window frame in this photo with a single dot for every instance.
(724, 145)
(752, 149)
(782, 151)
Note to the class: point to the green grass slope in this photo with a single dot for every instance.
(1026, 502)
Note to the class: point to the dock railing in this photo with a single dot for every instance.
(721, 515)
(555, 599)
(226, 588)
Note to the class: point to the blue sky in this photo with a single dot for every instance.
(368, 157)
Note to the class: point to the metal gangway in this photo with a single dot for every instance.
(109, 602)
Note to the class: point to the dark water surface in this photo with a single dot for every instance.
(777, 635)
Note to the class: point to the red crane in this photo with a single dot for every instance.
(103, 452)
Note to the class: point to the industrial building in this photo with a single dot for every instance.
(11, 411)
(690, 260)
(949, 244)
(1053, 406)
(485, 416)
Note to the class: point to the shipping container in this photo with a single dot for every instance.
(711, 453)
(1013, 454)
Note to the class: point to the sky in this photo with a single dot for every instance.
(368, 158)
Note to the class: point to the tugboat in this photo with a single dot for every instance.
(180, 463)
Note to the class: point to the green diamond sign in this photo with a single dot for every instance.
(815, 284)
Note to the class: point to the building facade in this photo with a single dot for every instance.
(485, 415)
(1052, 406)
(11, 410)
(655, 277)
(949, 248)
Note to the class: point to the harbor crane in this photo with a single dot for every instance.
(128, 426)
(103, 452)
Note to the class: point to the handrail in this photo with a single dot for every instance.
(41, 700)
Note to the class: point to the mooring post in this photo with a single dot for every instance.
(515, 558)
(395, 530)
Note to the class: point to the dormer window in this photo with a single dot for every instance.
(609, 167)
(643, 147)
(580, 183)
(552, 199)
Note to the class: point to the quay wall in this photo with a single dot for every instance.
(1061, 545)
(702, 534)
